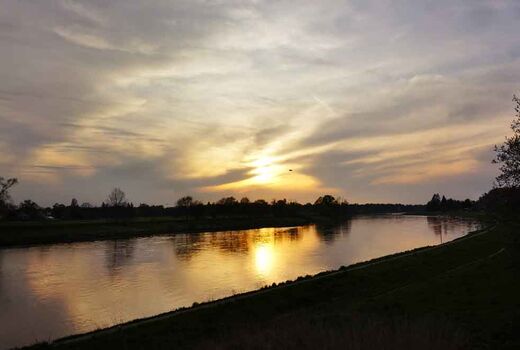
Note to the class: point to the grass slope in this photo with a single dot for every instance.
(462, 295)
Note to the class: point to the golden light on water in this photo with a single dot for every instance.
(264, 258)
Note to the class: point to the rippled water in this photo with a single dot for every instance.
(56, 290)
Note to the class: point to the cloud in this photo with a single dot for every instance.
(360, 98)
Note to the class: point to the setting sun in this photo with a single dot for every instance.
(265, 171)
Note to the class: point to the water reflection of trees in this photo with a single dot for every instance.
(232, 242)
(329, 232)
(186, 245)
(229, 241)
(118, 253)
(292, 234)
(442, 226)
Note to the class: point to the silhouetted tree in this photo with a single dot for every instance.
(504, 201)
(245, 200)
(29, 210)
(74, 203)
(342, 201)
(227, 201)
(448, 204)
(326, 200)
(58, 211)
(116, 198)
(185, 202)
(435, 203)
(444, 203)
(508, 154)
(188, 206)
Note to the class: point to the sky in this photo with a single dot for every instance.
(373, 101)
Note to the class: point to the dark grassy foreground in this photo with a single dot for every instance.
(45, 232)
(463, 295)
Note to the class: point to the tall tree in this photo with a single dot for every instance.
(435, 203)
(508, 154)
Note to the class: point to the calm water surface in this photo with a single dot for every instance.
(56, 290)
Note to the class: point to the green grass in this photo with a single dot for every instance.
(463, 295)
(46, 232)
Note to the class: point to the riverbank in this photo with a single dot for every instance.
(48, 232)
(480, 215)
(13, 234)
(459, 295)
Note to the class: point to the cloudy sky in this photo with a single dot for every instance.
(375, 101)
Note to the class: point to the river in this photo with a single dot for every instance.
(56, 290)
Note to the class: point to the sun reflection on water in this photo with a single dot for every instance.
(264, 258)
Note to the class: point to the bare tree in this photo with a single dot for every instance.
(5, 185)
(116, 198)
(185, 201)
(508, 154)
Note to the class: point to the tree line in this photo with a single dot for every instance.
(118, 206)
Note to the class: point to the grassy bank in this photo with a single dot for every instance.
(460, 295)
(45, 232)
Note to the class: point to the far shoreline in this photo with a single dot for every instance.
(26, 234)
(36, 233)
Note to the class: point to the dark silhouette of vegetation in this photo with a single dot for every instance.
(117, 207)
(118, 218)
(185, 202)
(438, 204)
(116, 198)
(508, 154)
(503, 202)
(5, 197)
(5, 185)
(29, 210)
